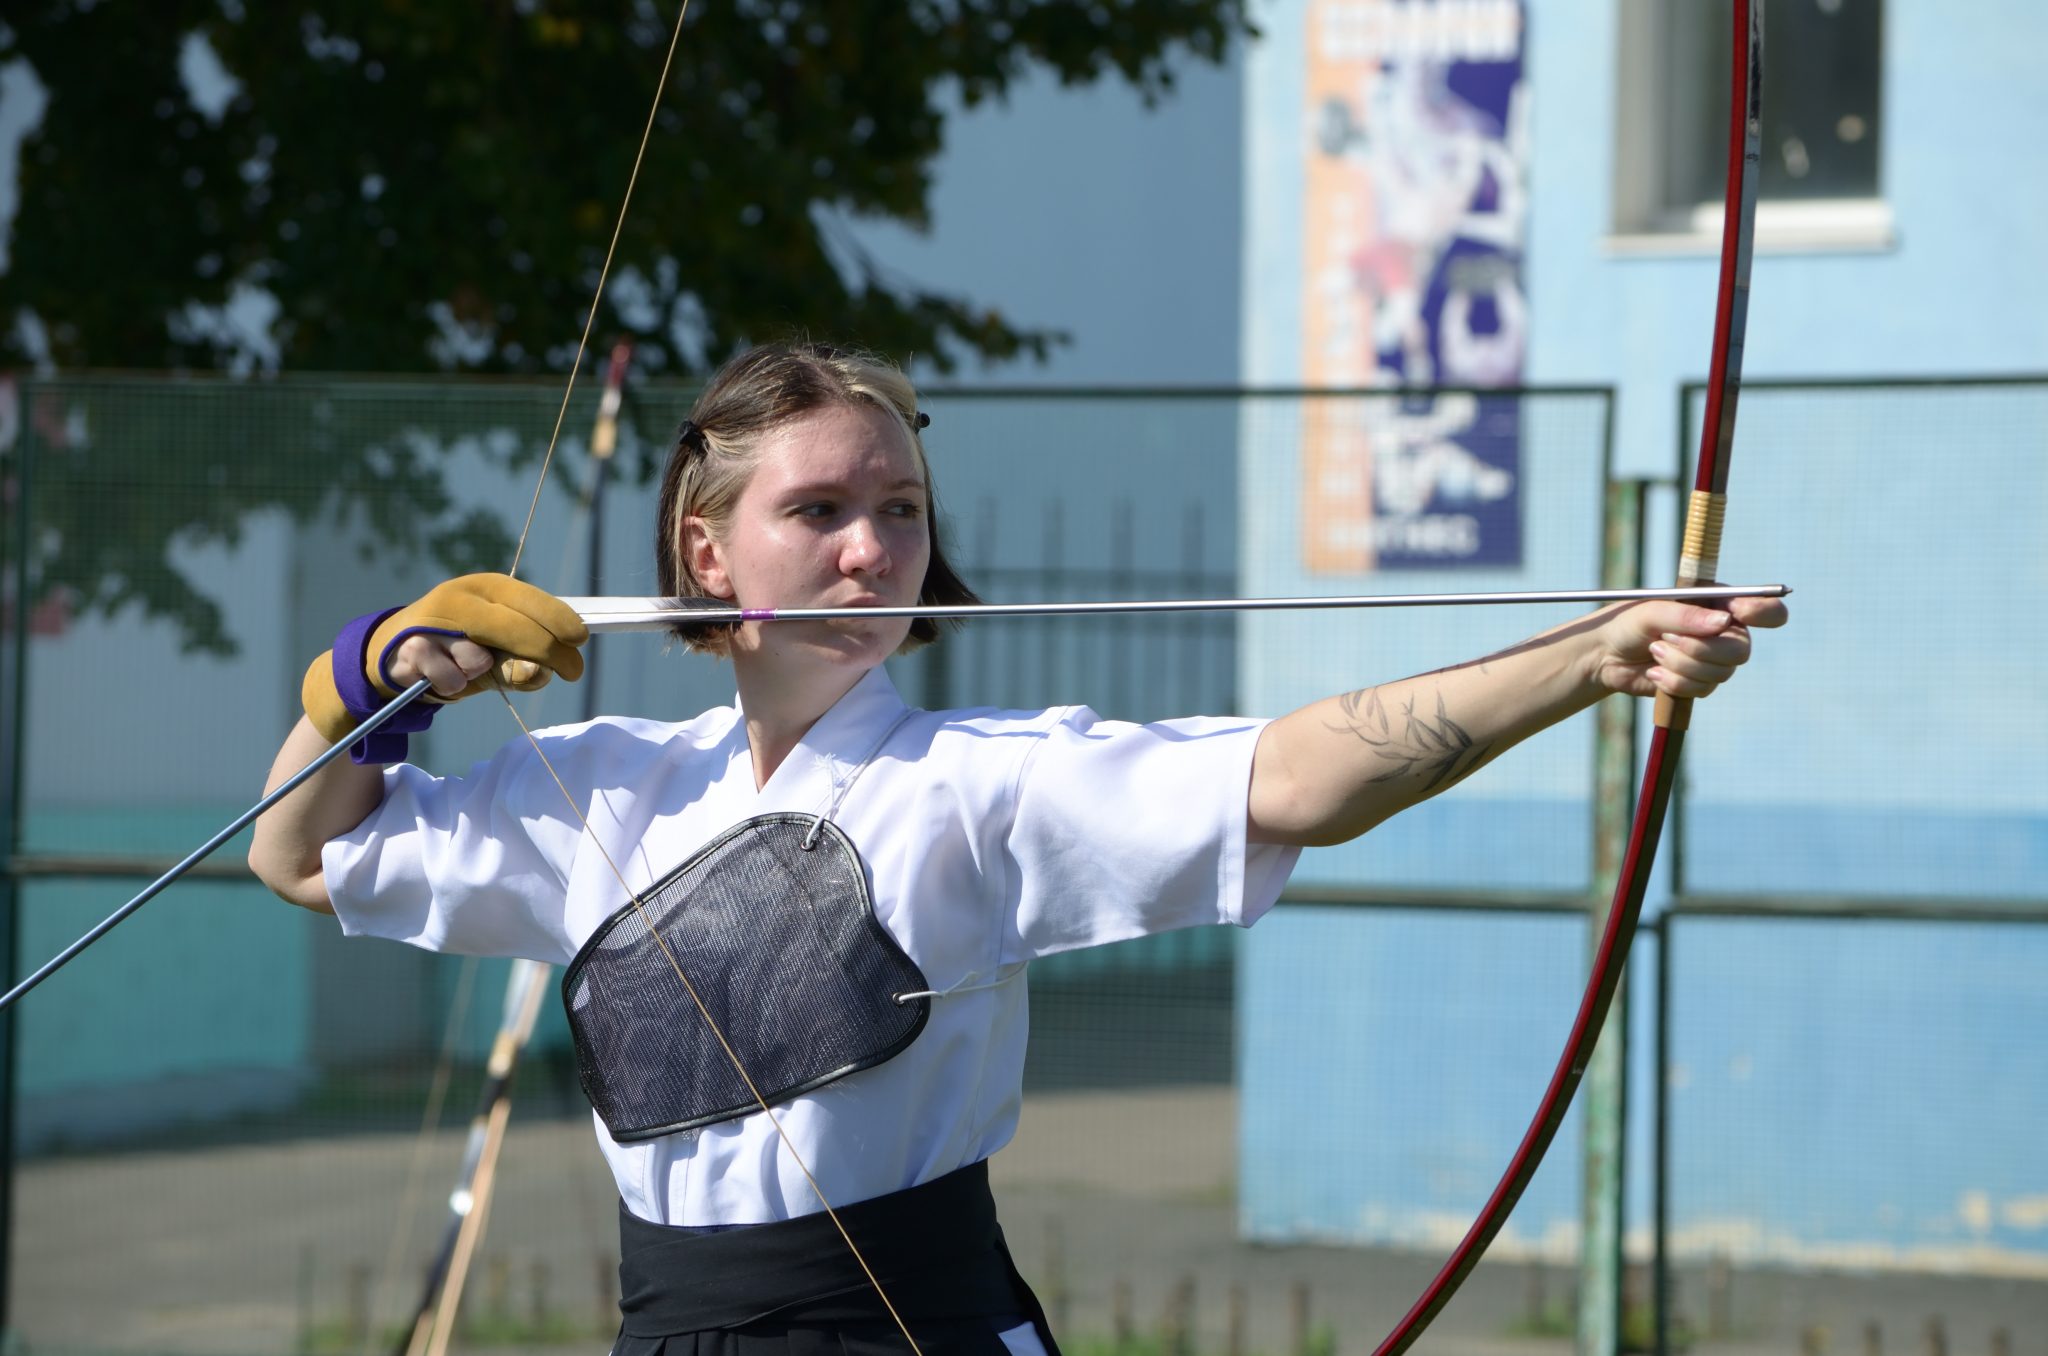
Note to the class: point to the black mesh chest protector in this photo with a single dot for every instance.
(780, 940)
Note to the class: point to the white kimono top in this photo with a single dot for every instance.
(992, 837)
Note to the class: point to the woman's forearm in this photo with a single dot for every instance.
(285, 853)
(1336, 768)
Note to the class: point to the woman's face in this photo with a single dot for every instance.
(833, 516)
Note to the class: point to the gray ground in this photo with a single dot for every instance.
(1113, 1202)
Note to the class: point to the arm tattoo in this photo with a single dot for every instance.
(1440, 750)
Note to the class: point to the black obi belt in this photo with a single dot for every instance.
(774, 926)
(794, 1287)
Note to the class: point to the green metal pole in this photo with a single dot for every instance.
(1605, 1094)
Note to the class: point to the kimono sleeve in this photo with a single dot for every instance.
(1123, 830)
(475, 865)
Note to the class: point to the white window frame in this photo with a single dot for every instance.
(1641, 224)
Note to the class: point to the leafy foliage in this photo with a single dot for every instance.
(429, 185)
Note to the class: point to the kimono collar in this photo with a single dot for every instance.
(833, 750)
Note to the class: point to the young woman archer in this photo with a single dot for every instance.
(849, 888)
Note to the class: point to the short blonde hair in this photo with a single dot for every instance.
(719, 445)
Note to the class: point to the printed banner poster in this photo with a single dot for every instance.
(1414, 205)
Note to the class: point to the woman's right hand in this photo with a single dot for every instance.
(452, 637)
(452, 664)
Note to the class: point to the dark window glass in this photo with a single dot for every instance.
(1822, 99)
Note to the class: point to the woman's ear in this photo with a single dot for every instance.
(700, 551)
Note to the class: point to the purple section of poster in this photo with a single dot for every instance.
(1458, 463)
(1473, 315)
(1415, 201)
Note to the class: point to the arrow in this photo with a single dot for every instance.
(605, 615)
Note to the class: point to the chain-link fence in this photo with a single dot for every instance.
(1842, 1147)
(217, 1112)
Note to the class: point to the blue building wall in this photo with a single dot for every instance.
(1084, 211)
(1881, 747)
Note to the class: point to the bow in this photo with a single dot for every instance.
(469, 1203)
(1697, 563)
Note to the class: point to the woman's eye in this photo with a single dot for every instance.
(816, 510)
(907, 510)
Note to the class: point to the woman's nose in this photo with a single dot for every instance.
(863, 549)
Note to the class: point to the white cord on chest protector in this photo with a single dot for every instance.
(844, 783)
(840, 787)
(951, 989)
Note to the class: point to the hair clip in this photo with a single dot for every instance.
(921, 420)
(691, 434)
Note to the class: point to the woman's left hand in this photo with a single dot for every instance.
(1679, 649)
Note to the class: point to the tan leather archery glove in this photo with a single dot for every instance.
(534, 634)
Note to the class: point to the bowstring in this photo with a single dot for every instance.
(603, 275)
(547, 460)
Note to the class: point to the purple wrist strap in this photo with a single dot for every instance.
(351, 651)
